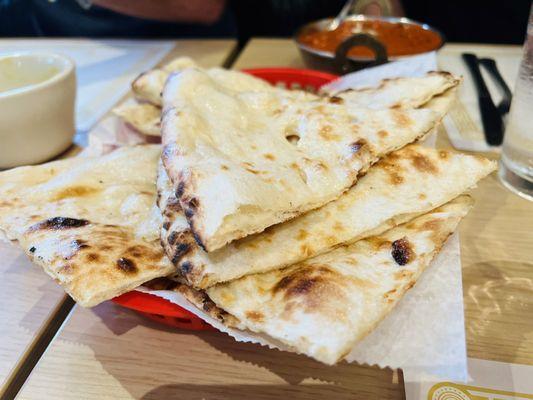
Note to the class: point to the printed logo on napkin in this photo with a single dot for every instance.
(488, 380)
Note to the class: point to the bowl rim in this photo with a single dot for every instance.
(67, 68)
(362, 17)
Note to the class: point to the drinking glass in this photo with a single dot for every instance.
(516, 164)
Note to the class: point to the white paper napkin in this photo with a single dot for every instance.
(424, 333)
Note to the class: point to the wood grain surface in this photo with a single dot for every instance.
(109, 352)
(28, 297)
(112, 353)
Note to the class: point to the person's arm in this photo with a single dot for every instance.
(195, 11)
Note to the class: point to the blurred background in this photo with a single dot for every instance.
(475, 21)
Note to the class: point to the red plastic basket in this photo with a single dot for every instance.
(165, 312)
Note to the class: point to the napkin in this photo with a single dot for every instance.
(424, 333)
(104, 68)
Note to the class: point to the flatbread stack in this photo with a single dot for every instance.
(301, 217)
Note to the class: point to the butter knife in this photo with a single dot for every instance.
(490, 116)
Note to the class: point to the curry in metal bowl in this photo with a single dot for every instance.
(365, 41)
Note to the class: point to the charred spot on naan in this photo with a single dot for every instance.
(297, 281)
(56, 223)
(201, 300)
(126, 265)
(309, 284)
(418, 160)
(75, 191)
(392, 168)
(402, 251)
(160, 284)
(356, 146)
(336, 100)
(403, 274)
(254, 316)
(180, 243)
(443, 154)
(338, 226)
(92, 257)
(302, 234)
(186, 270)
(401, 118)
(378, 242)
(326, 133)
(190, 205)
(6, 203)
(309, 288)
(424, 164)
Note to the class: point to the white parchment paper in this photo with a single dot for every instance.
(425, 332)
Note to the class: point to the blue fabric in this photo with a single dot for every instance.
(64, 18)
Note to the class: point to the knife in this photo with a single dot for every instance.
(490, 116)
(490, 65)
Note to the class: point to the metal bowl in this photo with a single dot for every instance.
(339, 62)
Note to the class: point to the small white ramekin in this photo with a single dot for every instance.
(36, 119)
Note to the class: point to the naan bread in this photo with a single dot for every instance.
(149, 85)
(143, 117)
(406, 183)
(243, 161)
(323, 306)
(90, 223)
(401, 92)
(146, 118)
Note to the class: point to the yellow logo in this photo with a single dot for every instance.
(454, 391)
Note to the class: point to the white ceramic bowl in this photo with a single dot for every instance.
(37, 98)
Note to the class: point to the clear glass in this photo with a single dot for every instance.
(516, 164)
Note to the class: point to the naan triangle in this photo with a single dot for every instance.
(404, 184)
(325, 305)
(90, 223)
(243, 161)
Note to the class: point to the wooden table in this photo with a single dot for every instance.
(110, 352)
(33, 306)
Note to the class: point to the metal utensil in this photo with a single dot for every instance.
(491, 66)
(490, 116)
(348, 6)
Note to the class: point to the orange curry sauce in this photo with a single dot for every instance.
(399, 38)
